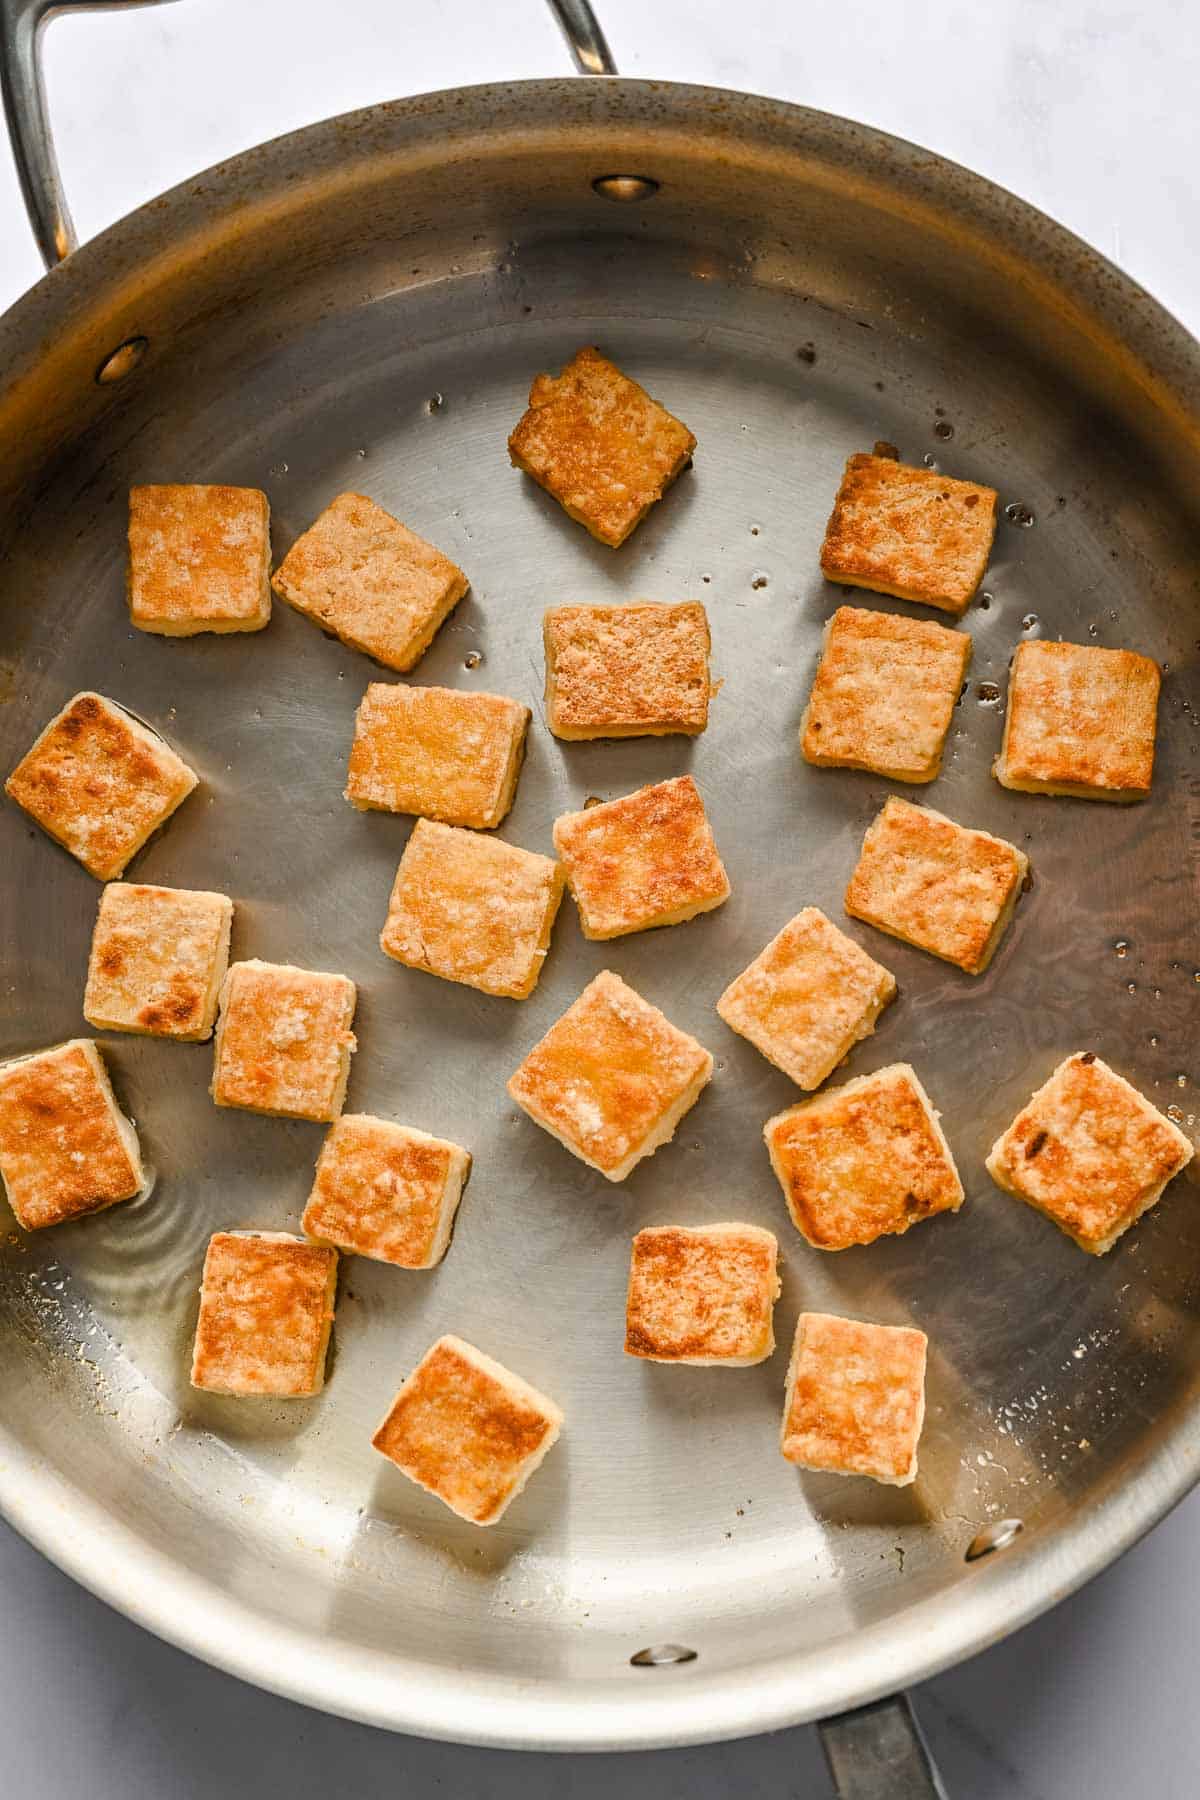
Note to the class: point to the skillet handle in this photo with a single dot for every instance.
(877, 1752)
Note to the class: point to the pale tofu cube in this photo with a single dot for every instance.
(386, 1191)
(627, 671)
(66, 1148)
(266, 1310)
(439, 752)
(199, 559)
(646, 859)
(702, 1295)
(158, 959)
(914, 533)
(284, 1041)
(1080, 721)
(855, 1398)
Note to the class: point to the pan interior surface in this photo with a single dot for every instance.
(363, 308)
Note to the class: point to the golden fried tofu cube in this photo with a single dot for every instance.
(284, 1041)
(386, 1191)
(863, 1161)
(158, 959)
(612, 1078)
(808, 998)
(646, 859)
(266, 1310)
(468, 1430)
(1080, 721)
(627, 671)
(199, 558)
(1090, 1152)
(914, 533)
(437, 751)
(855, 1398)
(66, 1148)
(99, 782)
(884, 694)
(702, 1295)
(938, 885)
(472, 909)
(599, 444)
(371, 581)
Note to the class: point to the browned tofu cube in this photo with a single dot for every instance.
(371, 581)
(99, 782)
(266, 1309)
(855, 1398)
(914, 533)
(199, 558)
(599, 444)
(626, 671)
(437, 751)
(644, 860)
(938, 885)
(1090, 1152)
(884, 694)
(66, 1148)
(612, 1079)
(284, 1041)
(808, 998)
(158, 959)
(702, 1295)
(386, 1191)
(1080, 721)
(472, 909)
(468, 1430)
(863, 1161)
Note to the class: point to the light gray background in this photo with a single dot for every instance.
(1089, 110)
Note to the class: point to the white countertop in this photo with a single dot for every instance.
(1089, 112)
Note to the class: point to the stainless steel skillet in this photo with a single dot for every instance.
(362, 304)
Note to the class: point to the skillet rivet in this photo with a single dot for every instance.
(625, 187)
(657, 1656)
(122, 361)
(992, 1537)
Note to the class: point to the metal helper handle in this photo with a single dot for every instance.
(877, 1752)
(585, 39)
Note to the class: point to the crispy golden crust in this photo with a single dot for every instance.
(198, 559)
(468, 1430)
(99, 783)
(938, 885)
(646, 859)
(884, 694)
(266, 1308)
(1090, 1152)
(863, 1161)
(371, 581)
(386, 1191)
(158, 960)
(703, 1295)
(808, 998)
(1080, 721)
(284, 1041)
(626, 671)
(447, 755)
(599, 444)
(913, 533)
(855, 1398)
(612, 1079)
(66, 1148)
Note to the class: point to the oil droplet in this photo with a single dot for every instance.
(807, 354)
(341, 674)
(1154, 1040)
(1093, 630)
(943, 429)
(1133, 987)
(1017, 513)
(472, 659)
(1196, 976)
(592, 800)
(759, 581)
(435, 403)
(1175, 1114)
(929, 459)
(1030, 622)
(1181, 1081)
(987, 693)
(360, 454)
(985, 600)
(279, 468)
(1121, 947)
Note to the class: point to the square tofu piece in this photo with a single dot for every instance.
(938, 885)
(913, 533)
(1080, 721)
(808, 998)
(884, 694)
(158, 959)
(386, 1191)
(99, 782)
(704, 1295)
(627, 671)
(863, 1161)
(284, 1041)
(371, 581)
(612, 1079)
(199, 558)
(66, 1148)
(468, 1430)
(437, 751)
(599, 444)
(472, 909)
(266, 1308)
(1089, 1152)
(646, 859)
(855, 1398)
